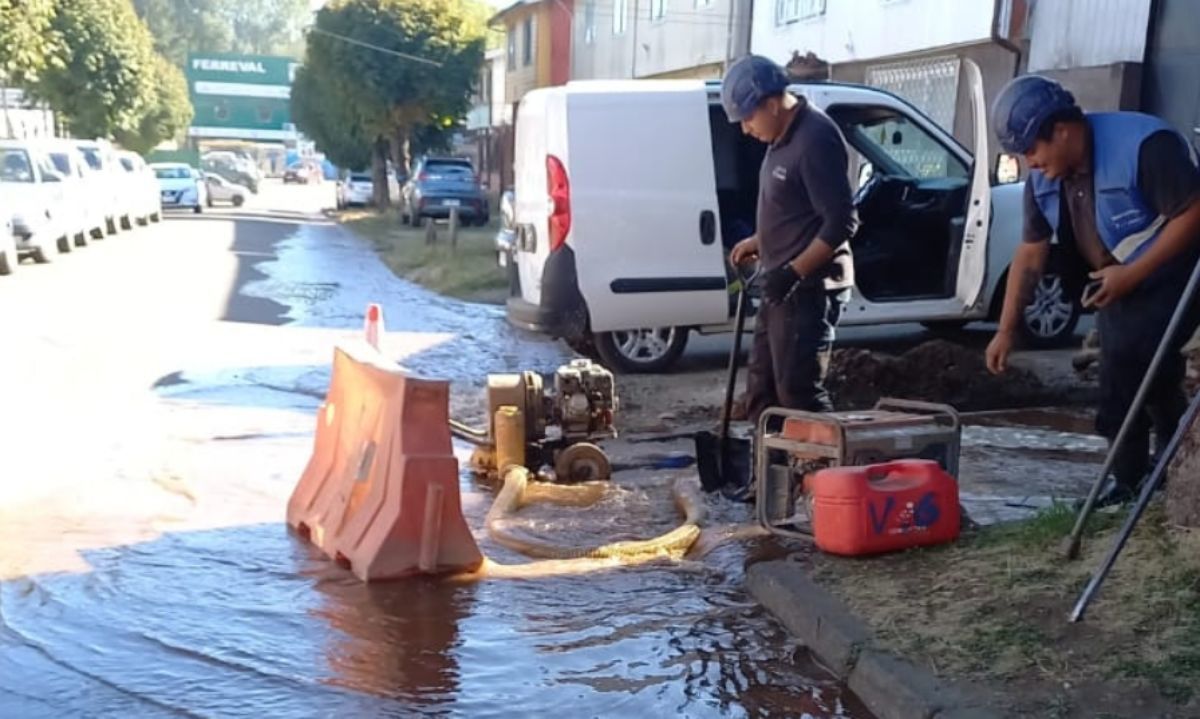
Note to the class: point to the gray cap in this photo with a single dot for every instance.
(748, 82)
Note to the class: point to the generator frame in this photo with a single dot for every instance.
(778, 487)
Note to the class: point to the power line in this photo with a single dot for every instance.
(378, 48)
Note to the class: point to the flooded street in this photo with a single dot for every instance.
(165, 384)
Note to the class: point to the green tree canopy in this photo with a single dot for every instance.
(399, 65)
(257, 27)
(25, 38)
(102, 81)
(168, 113)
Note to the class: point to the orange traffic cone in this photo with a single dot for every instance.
(373, 326)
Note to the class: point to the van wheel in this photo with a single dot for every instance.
(643, 350)
(1050, 319)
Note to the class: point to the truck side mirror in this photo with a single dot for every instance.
(1008, 169)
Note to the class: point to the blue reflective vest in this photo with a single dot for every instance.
(1127, 225)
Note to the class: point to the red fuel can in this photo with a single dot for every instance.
(883, 507)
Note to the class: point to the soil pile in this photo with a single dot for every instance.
(936, 371)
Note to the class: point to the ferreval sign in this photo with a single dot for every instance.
(241, 97)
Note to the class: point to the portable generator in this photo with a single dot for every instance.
(791, 445)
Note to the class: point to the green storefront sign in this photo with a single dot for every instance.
(241, 96)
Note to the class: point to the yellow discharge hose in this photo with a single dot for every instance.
(519, 491)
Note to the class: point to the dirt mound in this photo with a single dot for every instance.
(936, 371)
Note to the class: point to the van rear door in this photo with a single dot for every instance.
(644, 225)
(540, 133)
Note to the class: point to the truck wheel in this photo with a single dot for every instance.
(1050, 319)
(642, 350)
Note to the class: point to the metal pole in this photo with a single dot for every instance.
(1071, 548)
(1148, 489)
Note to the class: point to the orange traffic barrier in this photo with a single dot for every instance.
(380, 493)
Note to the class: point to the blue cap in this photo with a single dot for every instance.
(1023, 106)
(748, 82)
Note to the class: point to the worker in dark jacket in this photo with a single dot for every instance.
(804, 221)
(1123, 189)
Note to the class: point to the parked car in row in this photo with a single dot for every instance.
(34, 189)
(621, 247)
(237, 168)
(357, 189)
(140, 188)
(441, 184)
(222, 190)
(180, 186)
(302, 173)
(82, 211)
(8, 240)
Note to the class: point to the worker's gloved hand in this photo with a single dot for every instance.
(780, 283)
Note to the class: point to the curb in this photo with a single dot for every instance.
(891, 687)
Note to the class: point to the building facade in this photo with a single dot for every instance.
(614, 39)
(913, 48)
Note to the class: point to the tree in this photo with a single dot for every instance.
(102, 80)
(401, 65)
(268, 27)
(25, 38)
(329, 120)
(181, 27)
(257, 27)
(168, 113)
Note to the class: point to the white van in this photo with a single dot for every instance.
(629, 195)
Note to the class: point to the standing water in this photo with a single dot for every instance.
(162, 581)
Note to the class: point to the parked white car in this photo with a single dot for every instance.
(621, 246)
(107, 182)
(222, 190)
(8, 241)
(34, 188)
(180, 186)
(83, 208)
(357, 190)
(142, 194)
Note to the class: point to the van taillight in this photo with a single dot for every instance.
(559, 188)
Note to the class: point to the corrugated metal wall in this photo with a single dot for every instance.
(1087, 33)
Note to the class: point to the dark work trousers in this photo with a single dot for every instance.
(1130, 332)
(789, 358)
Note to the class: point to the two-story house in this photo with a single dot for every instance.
(657, 38)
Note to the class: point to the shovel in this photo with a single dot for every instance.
(723, 461)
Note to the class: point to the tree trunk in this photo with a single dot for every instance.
(401, 146)
(1183, 475)
(379, 173)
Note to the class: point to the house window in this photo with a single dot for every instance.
(620, 16)
(512, 51)
(527, 42)
(788, 11)
(589, 22)
(658, 9)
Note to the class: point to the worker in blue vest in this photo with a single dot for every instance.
(1122, 189)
